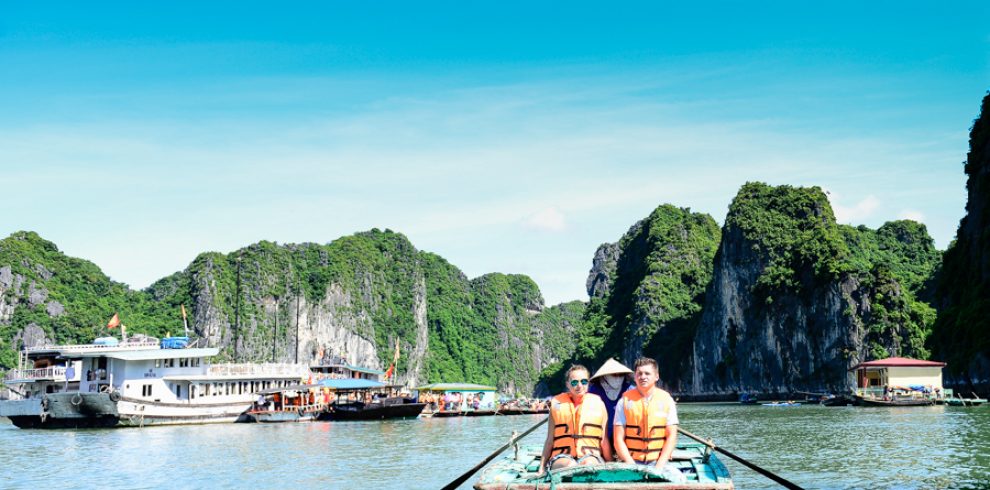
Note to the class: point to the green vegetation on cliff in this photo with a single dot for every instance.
(68, 299)
(962, 333)
(794, 229)
(654, 300)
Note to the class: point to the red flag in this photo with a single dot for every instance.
(113, 321)
(388, 374)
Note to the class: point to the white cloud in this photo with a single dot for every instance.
(856, 213)
(547, 219)
(912, 215)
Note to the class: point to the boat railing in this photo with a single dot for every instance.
(269, 369)
(138, 345)
(53, 373)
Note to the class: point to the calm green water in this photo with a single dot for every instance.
(816, 447)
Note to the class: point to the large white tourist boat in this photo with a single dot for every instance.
(141, 381)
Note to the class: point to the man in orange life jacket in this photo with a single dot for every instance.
(646, 421)
(576, 432)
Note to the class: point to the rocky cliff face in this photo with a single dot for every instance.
(962, 333)
(797, 300)
(648, 288)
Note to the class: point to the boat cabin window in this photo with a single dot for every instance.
(146, 390)
(184, 362)
(169, 363)
(178, 391)
(158, 363)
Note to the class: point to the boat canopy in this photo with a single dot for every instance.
(455, 387)
(351, 384)
(144, 355)
(299, 387)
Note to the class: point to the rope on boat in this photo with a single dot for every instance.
(782, 481)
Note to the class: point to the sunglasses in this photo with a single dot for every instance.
(574, 382)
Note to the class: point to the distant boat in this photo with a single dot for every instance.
(748, 399)
(782, 404)
(296, 403)
(838, 401)
(965, 402)
(386, 408)
(894, 402)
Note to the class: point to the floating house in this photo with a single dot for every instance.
(895, 377)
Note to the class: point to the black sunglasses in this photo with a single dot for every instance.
(574, 382)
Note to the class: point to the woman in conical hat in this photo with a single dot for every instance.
(609, 383)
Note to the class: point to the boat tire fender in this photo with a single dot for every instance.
(115, 396)
(76, 399)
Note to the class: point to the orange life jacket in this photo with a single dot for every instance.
(646, 423)
(577, 430)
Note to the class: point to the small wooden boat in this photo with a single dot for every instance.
(748, 399)
(297, 403)
(701, 468)
(278, 416)
(522, 411)
(464, 413)
(894, 402)
(965, 402)
(838, 401)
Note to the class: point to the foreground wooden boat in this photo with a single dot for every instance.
(700, 466)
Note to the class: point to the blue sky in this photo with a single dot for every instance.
(505, 136)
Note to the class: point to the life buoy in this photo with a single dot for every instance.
(105, 389)
(115, 396)
(76, 399)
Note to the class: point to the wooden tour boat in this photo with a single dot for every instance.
(699, 465)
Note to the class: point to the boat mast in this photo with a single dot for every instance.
(275, 330)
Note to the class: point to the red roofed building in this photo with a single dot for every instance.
(899, 373)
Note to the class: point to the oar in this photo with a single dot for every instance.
(768, 474)
(463, 478)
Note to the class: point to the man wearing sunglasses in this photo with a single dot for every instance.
(576, 433)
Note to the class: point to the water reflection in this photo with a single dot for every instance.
(816, 447)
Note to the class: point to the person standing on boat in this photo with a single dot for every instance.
(576, 432)
(609, 383)
(646, 422)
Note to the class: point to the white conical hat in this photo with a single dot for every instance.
(611, 366)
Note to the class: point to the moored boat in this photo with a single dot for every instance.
(386, 408)
(965, 402)
(364, 399)
(134, 382)
(700, 467)
(894, 402)
(297, 403)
